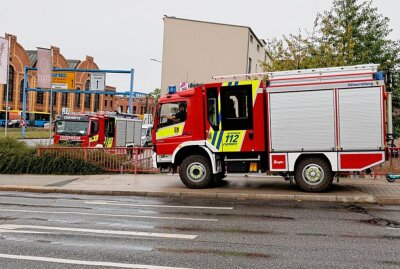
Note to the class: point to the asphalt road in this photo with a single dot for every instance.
(71, 231)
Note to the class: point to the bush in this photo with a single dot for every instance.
(18, 158)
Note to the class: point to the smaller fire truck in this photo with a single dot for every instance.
(98, 130)
(306, 125)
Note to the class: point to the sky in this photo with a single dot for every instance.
(125, 34)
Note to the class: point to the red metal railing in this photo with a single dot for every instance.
(130, 160)
(140, 160)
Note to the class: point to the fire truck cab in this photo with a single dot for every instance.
(98, 130)
(306, 125)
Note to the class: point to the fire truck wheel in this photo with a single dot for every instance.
(195, 172)
(313, 174)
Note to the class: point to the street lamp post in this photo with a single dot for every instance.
(155, 60)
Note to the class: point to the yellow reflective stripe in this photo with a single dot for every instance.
(232, 141)
(255, 85)
(109, 142)
(94, 138)
(170, 131)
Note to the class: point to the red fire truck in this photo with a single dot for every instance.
(98, 130)
(306, 125)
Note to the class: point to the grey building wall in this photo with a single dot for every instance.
(194, 51)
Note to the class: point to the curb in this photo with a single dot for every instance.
(365, 199)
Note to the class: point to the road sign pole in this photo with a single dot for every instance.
(23, 131)
(131, 92)
(8, 84)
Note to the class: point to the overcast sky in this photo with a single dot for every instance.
(125, 34)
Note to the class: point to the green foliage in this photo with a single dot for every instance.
(352, 32)
(396, 127)
(156, 94)
(348, 34)
(17, 158)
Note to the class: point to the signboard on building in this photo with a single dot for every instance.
(97, 81)
(65, 110)
(63, 80)
(44, 68)
(3, 60)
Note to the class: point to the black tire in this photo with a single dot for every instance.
(313, 174)
(196, 172)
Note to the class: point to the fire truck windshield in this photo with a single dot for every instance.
(78, 128)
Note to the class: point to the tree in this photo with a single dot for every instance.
(348, 34)
(352, 32)
(156, 94)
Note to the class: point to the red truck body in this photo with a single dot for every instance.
(306, 125)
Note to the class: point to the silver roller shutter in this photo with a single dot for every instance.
(302, 121)
(360, 118)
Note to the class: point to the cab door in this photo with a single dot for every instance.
(230, 121)
(170, 129)
(94, 133)
(237, 117)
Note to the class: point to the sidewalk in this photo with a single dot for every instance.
(237, 187)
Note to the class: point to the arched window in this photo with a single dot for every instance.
(96, 102)
(78, 98)
(64, 99)
(10, 85)
(39, 98)
(21, 91)
(87, 95)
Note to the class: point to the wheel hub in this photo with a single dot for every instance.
(313, 174)
(196, 171)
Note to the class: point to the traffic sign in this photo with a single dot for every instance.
(65, 110)
(63, 80)
(97, 81)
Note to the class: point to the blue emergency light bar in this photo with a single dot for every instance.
(378, 76)
(171, 89)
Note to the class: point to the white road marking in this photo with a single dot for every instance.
(103, 215)
(95, 231)
(161, 206)
(82, 262)
(393, 228)
(21, 232)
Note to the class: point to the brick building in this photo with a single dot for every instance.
(38, 103)
(140, 105)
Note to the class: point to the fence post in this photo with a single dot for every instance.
(39, 152)
(136, 159)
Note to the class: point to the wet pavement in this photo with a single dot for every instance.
(80, 231)
(238, 187)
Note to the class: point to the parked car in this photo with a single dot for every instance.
(146, 135)
(14, 123)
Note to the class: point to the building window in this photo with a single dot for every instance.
(134, 109)
(141, 110)
(39, 98)
(10, 85)
(64, 99)
(87, 95)
(78, 98)
(96, 102)
(249, 67)
(21, 91)
(105, 104)
(251, 39)
(258, 48)
(88, 98)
